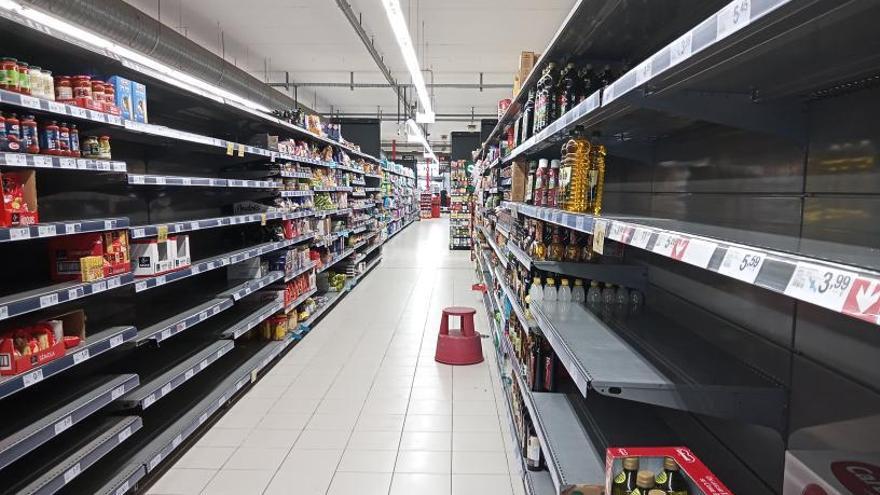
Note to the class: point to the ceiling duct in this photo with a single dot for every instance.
(128, 26)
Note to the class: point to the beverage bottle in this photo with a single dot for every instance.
(572, 250)
(577, 292)
(625, 481)
(587, 253)
(550, 290)
(609, 297)
(540, 104)
(540, 181)
(556, 251)
(536, 292)
(597, 174)
(528, 117)
(536, 364)
(567, 89)
(670, 480)
(586, 82)
(533, 451)
(576, 152)
(594, 298)
(30, 141)
(604, 77)
(549, 368)
(621, 300)
(636, 301)
(644, 483)
(530, 183)
(539, 250)
(552, 184)
(564, 294)
(552, 112)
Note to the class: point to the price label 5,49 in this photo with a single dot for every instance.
(824, 286)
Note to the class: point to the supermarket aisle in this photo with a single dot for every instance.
(360, 406)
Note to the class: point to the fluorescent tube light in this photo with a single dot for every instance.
(401, 34)
(181, 79)
(414, 134)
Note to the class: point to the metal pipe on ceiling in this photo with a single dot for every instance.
(353, 85)
(126, 25)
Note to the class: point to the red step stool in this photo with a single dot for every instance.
(460, 346)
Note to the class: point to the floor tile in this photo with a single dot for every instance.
(271, 438)
(421, 461)
(470, 422)
(224, 437)
(477, 441)
(481, 484)
(239, 482)
(182, 482)
(374, 440)
(256, 458)
(368, 461)
(204, 457)
(427, 422)
(479, 407)
(421, 484)
(360, 483)
(322, 439)
(380, 422)
(426, 440)
(479, 463)
(428, 406)
(284, 421)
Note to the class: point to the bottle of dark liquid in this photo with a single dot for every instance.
(550, 85)
(605, 77)
(528, 117)
(670, 480)
(550, 369)
(586, 82)
(566, 97)
(533, 451)
(625, 481)
(540, 104)
(536, 363)
(530, 181)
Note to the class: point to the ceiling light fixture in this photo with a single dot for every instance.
(401, 34)
(414, 135)
(174, 76)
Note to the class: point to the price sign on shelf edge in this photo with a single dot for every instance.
(863, 301)
(733, 17)
(599, 229)
(823, 286)
(742, 264)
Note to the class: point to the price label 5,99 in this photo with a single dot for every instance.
(824, 286)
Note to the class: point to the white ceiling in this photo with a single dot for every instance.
(455, 40)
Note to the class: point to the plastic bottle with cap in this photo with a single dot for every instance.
(578, 294)
(594, 297)
(550, 290)
(564, 294)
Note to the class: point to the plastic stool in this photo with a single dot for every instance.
(461, 346)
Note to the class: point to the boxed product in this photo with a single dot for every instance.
(139, 101)
(668, 469)
(19, 198)
(265, 141)
(180, 250)
(21, 349)
(247, 270)
(829, 472)
(527, 61)
(152, 257)
(66, 255)
(123, 96)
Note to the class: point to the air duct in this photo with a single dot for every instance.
(128, 26)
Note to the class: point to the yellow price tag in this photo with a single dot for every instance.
(230, 148)
(162, 233)
(240, 150)
(599, 229)
(263, 219)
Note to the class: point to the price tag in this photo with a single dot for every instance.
(615, 232)
(665, 244)
(240, 150)
(115, 341)
(56, 107)
(99, 286)
(48, 300)
(63, 425)
(166, 389)
(140, 286)
(72, 473)
(118, 166)
(77, 111)
(263, 219)
(189, 374)
(42, 161)
(176, 442)
(179, 227)
(154, 462)
(16, 159)
(4, 312)
(203, 418)
(80, 356)
(741, 264)
(695, 252)
(186, 181)
(733, 17)
(149, 400)
(70, 228)
(579, 221)
(32, 378)
(165, 334)
(221, 400)
(67, 163)
(230, 148)
(96, 115)
(45, 230)
(824, 286)
(644, 71)
(19, 233)
(136, 233)
(117, 392)
(160, 180)
(599, 229)
(161, 233)
(124, 434)
(681, 48)
(30, 101)
(203, 364)
(137, 179)
(123, 489)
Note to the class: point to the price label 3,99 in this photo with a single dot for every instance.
(823, 286)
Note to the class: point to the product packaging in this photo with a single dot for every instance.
(21, 349)
(152, 257)
(700, 480)
(245, 270)
(66, 254)
(828, 472)
(180, 250)
(19, 198)
(139, 101)
(122, 96)
(265, 141)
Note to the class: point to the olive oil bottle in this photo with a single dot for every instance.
(670, 480)
(644, 483)
(625, 481)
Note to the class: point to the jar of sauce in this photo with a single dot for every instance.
(29, 138)
(63, 88)
(13, 127)
(109, 97)
(9, 74)
(24, 78)
(98, 92)
(82, 87)
(48, 85)
(50, 138)
(74, 141)
(104, 145)
(90, 147)
(63, 139)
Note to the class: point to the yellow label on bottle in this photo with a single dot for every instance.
(620, 478)
(661, 478)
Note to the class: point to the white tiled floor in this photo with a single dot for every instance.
(360, 405)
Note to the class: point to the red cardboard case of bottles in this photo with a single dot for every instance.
(702, 478)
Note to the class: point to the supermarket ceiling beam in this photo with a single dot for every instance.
(356, 22)
(354, 85)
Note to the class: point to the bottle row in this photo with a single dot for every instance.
(49, 137)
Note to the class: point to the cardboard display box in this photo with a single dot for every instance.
(19, 198)
(828, 472)
(180, 250)
(139, 102)
(152, 257)
(701, 481)
(56, 333)
(66, 254)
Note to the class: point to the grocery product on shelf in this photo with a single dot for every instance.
(19, 198)
(68, 255)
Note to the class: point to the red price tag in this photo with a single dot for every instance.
(863, 300)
